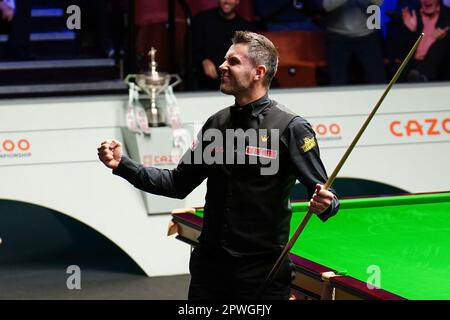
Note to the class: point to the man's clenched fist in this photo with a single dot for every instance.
(110, 153)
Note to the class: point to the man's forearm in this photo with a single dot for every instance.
(152, 180)
(175, 183)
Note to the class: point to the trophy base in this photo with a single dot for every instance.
(156, 118)
(158, 124)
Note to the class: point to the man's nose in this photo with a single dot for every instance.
(223, 67)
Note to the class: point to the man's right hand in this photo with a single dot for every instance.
(209, 69)
(110, 153)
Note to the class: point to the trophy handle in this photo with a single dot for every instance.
(129, 77)
(177, 80)
(173, 84)
(132, 78)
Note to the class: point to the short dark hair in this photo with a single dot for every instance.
(261, 51)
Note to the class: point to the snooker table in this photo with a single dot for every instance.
(399, 244)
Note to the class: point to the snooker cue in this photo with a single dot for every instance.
(330, 180)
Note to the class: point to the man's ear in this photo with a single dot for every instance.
(261, 71)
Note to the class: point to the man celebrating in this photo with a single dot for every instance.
(247, 212)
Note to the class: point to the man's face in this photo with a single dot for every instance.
(238, 71)
(228, 6)
(429, 7)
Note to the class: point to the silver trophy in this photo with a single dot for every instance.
(154, 83)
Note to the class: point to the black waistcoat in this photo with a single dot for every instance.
(247, 212)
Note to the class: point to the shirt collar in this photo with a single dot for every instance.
(255, 107)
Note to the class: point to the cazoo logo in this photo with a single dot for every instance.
(325, 131)
(15, 148)
(420, 127)
(158, 160)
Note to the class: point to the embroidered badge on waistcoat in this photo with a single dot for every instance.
(261, 152)
(308, 144)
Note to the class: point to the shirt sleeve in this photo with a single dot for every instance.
(304, 154)
(175, 183)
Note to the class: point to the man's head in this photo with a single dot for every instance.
(251, 62)
(228, 7)
(429, 7)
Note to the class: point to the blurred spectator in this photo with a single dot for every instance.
(348, 36)
(394, 45)
(15, 23)
(287, 15)
(431, 60)
(99, 35)
(212, 33)
(7, 10)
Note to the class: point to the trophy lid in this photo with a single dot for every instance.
(152, 81)
(152, 64)
(153, 77)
